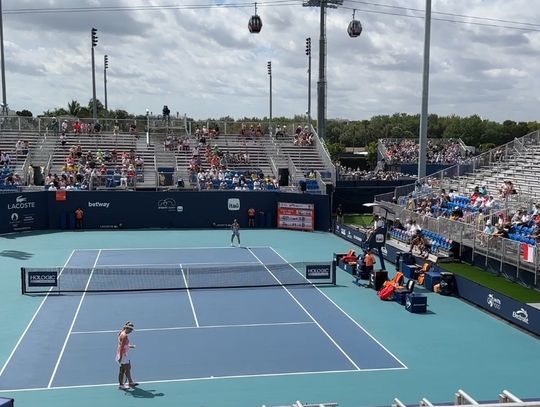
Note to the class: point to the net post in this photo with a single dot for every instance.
(23, 280)
(334, 267)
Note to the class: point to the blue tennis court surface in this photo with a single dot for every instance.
(190, 334)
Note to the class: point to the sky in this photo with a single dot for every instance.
(204, 62)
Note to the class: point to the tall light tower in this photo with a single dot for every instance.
(105, 67)
(422, 150)
(4, 100)
(308, 53)
(269, 65)
(94, 44)
(321, 84)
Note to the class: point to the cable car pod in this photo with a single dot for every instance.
(354, 29)
(255, 24)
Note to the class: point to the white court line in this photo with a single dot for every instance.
(85, 386)
(348, 316)
(181, 328)
(170, 248)
(73, 322)
(189, 296)
(307, 312)
(33, 318)
(100, 266)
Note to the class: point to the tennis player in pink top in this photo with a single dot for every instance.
(122, 357)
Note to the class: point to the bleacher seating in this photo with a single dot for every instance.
(439, 243)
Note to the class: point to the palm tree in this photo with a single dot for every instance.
(74, 108)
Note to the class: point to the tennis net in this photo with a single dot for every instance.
(121, 278)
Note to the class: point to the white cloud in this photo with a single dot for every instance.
(205, 63)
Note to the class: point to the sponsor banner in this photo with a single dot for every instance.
(516, 312)
(233, 204)
(42, 279)
(318, 271)
(350, 234)
(296, 216)
(61, 195)
(99, 205)
(24, 212)
(169, 205)
(358, 236)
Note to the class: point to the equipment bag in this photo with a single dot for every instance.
(386, 293)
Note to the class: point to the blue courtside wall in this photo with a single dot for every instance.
(517, 313)
(176, 209)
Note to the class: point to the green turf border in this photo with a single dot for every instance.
(496, 283)
(358, 219)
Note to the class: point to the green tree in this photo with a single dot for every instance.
(24, 112)
(121, 114)
(335, 149)
(74, 108)
(99, 106)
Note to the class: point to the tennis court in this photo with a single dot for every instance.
(259, 343)
(229, 332)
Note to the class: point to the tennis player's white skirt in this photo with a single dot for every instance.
(124, 360)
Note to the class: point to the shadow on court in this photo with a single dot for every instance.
(139, 393)
(15, 254)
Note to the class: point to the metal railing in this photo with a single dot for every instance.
(470, 235)
(325, 155)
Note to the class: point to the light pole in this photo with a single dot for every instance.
(308, 53)
(4, 100)
(321, 84)
(94, 44)
(105, 67)
(422, 150)
(269, 65)
(147, 127)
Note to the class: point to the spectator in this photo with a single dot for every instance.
(339, 214)
(166, 113)
(54, 126)
(133, 129)
(18, 147)
(139, 163)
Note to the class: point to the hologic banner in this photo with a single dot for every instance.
(42, 278)
(516, 312)
(318, 271)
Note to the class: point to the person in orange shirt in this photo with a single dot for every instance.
(79, 216)
(251, 217)
(369, 261)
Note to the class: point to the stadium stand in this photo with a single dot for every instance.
(439, 151)
(488, 205)
(461, 398)
(167, 150)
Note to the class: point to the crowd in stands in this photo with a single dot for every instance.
(218, 174)
(239, 180)
(483, 209)
(523, 226)
(302, 135)
(441, 151)
(350, 174)
(253, 131)
(86, 170)
(8, 177)
(80, 127)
